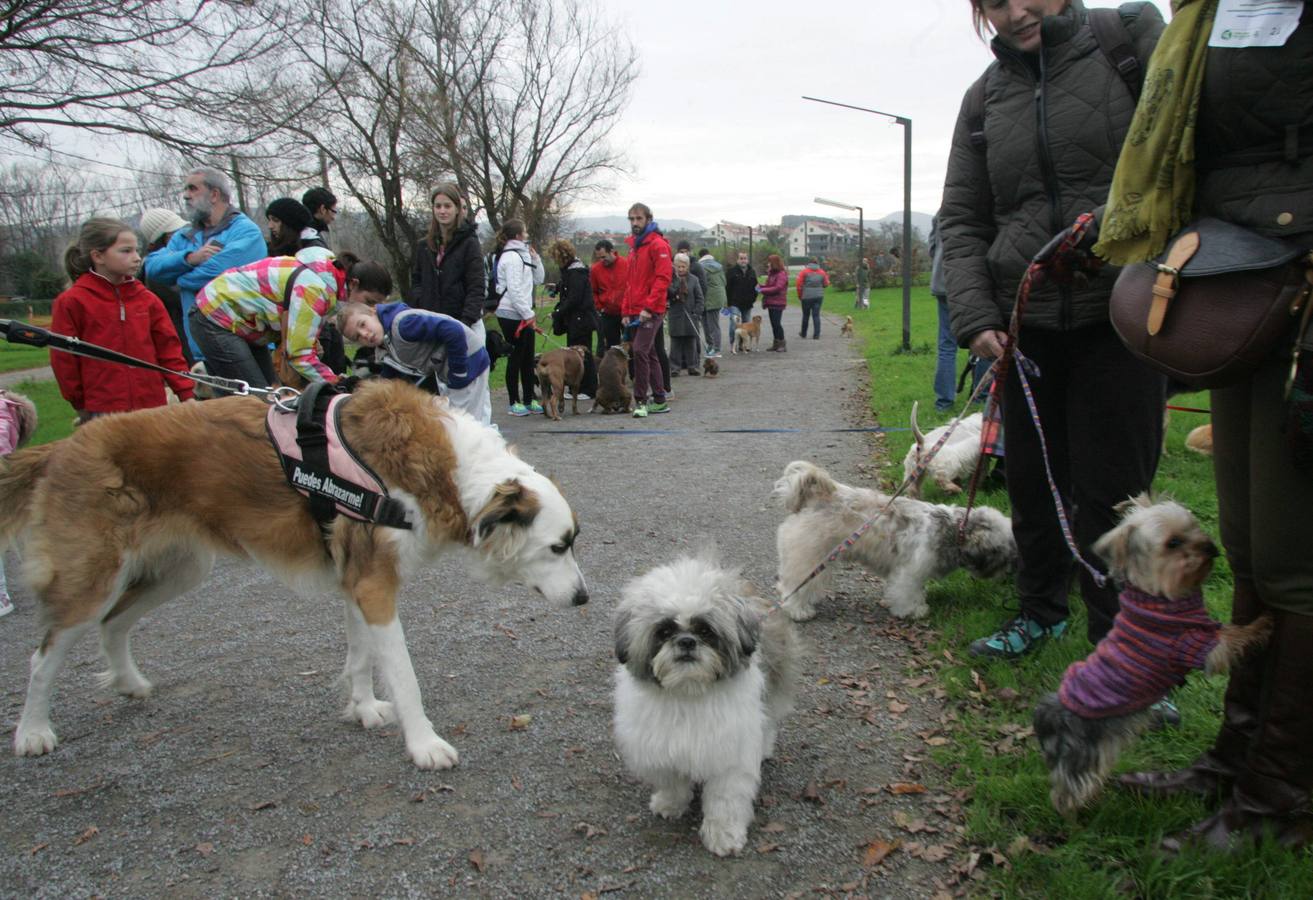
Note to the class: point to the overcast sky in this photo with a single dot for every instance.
(717, 128)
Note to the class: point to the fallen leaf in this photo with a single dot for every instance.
(263, 804)
(936, 741)
(905, 787)
(73, 792)
(87, 835)
(588, 895)
(767, 848)
(1022, 844)
(1006, 694)
(308, 672)
(898, 708)
(204, 848)
(38, 848)
(476, 860)
(812, 793)
(517, 783)
(588, 831)
(520, 722)
(404, 841)
(773, 828)
(307, 839)
(877, 850)
(937, 853)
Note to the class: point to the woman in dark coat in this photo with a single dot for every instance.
(1253, 167)
(1034, 147)
(448, 276)
(575, 292)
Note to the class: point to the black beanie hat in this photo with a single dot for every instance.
(290, 212)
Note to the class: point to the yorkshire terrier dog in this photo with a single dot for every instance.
(847, 328)
(1161, 556)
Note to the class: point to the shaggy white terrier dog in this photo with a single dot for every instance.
(705, 677)
(908, 545)
(955, 460)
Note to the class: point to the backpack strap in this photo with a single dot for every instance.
(976, 112)
(1115, 43)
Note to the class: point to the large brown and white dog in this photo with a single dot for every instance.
(131, 511)
(910, 542)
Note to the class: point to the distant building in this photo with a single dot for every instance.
(821, 237)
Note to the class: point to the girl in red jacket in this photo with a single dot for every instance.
(107, 306)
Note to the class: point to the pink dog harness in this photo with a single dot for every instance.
(318, 463)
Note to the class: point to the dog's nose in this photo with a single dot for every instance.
(1211, 551)
(580, 597)
(687, 643)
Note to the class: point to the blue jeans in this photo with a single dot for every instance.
(946, 366)
(811, 309)
(229, 356)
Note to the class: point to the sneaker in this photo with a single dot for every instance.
(674, 373)
(1016, 638)
(1164, 714)
(6, 605)
(518, 409)
(569, 394)
(660, 407)
(640, 411)
(695, 371)
(536, 408)
(581, 396)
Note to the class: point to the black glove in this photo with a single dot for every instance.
(1069, 256)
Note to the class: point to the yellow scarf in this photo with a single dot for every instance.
(1152, 194)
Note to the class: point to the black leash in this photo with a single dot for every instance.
(16, 332)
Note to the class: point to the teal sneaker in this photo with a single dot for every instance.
(518, 409)
(536, 408)
(1016, 638)
(1164, 714)
(640, 411)
(657, 408)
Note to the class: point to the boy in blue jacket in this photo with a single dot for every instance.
(432, 350)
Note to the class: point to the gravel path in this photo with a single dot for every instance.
(236, 777)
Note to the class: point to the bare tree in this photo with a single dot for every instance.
(162, 69)
(522, 100)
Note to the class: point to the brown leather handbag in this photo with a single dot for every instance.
(1215, 305)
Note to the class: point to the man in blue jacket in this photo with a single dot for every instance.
(220, 238)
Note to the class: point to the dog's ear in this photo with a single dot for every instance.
(622, 619)
(1141, 500)
(749, 628)
(1114, 548)
(512, 504)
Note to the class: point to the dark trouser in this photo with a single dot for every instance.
(1102, 413)
(173, 306)
(1263, 501)
(711, 330)
(684, 353)
(519, 362)
(663, 358)
(647, 368)
(583, 337)
(776, 322)
(611, 332)
(811, 309)
(230, 356)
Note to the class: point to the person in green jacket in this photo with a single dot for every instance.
(863, 285)
(713, 302)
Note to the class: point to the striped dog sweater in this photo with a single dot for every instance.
(1153, 644)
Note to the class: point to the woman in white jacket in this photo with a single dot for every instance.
(518, 268)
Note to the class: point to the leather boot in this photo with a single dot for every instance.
(1273, 792)
(1212, 773)
(784, 346)
(774, 345)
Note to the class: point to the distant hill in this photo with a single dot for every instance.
(920, 221)
(621, 224)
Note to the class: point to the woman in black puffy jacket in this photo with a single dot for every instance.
(576, 307)
(447, 275)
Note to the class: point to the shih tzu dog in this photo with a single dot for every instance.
(705, 677)
(909, 544)
(954, 462)
(1162, 632)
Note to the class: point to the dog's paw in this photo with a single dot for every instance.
(669, 804)
(723, 838)
(432, 753)
(129, 684)
(34, 741)
(371, 713)
(799, 612)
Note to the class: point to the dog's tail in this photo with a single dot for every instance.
(19, 475)
(914, 489)
(803, 483)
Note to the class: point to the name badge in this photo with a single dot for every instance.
(1255, 23)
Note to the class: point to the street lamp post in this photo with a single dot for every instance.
(907, 208)
(861, 227)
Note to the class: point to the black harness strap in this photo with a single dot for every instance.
(312, 438)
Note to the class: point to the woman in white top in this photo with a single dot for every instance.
(517, 268)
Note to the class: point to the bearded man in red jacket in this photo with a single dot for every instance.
(645, 306)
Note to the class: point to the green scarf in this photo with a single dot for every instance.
(1152, 194)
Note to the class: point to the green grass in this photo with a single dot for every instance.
(14, 357)
(55, 416)
(1110, 851)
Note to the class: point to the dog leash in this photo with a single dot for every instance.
(16, 332)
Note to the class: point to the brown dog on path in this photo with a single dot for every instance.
(557, 370)
(747, 333)
(613, 393)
